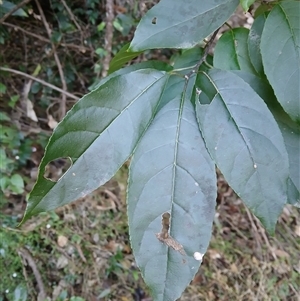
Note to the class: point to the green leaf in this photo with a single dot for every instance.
(280, 49)
(244, 140)
(157, 65)
(98, 135)
(121, 58)
(254, 39)
(8, 6)
(2, 89)
(180, 24)
(289, 130)
(171, 172)
(4, 117)
(246, 4)
(231, 51)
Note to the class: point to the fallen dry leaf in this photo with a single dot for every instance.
(297, 230)
(62, 262)
(62, 241)
(30, 111)
(52, 123)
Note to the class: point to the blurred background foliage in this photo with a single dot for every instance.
(82, 251)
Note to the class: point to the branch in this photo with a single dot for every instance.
(24, 2)
(80, 48)
(60, 70)
(108, 35)
(39, 81)
(24, 253)
(204, 56)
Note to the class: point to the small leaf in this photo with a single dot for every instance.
(244, 140)
(254, 39)
(171, 197)
(180, 24)
(280, 49)
(8, 6)
(231, 52)
(121, 58)
(98, 135)
(246, 4)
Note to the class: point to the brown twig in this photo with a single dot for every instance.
(25, 254)
(108, 35)
(60, 70)
(39, 81)
(205, 54)
(78, 47)
(18, 6)
(254, 229)
(73, 18)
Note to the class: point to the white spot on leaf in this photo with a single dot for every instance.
(198, 256)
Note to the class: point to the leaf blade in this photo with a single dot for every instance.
(166, 23)
(289, 130)
(231, 52)
(246, 144)
(281, 55)
(121, 58)
(97, 148)
(171, 171)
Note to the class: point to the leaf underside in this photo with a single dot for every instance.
(185, 24)
(171, 172)
(289, 130)
(245, 142)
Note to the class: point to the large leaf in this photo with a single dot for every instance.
(231, 51)
(280, 49)
(254, 43)
(180, 23)
(98, 135)
(244, 140)
(171, 172)
(289, 129)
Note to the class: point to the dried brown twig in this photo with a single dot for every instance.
(39, 81)
(77, 47)
(59, 66)
(25, 254)
(108, 35)
(18, 6)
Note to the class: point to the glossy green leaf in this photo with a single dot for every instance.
(246, 4)
(171, 171)
(121, 58)
(244, 140)
(231, 51)
(98, 135)
(180, 23)
(254, 39)
(280, 49)
(289, 130)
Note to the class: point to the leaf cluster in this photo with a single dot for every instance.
(238, 110)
